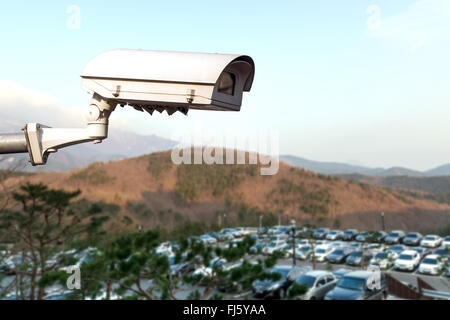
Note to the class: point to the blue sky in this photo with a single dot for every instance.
(356, 81)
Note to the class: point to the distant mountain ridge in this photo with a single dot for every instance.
(337, 168)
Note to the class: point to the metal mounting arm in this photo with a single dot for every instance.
(39, 140)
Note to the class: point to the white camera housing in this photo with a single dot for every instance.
(171, 81)
(145, 80)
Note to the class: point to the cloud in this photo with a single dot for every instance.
(423, 23)
(21, 105)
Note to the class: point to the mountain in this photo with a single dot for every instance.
(443, 170)
(152, 191)
(335, 168)
(118, 145)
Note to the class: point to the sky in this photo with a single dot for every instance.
(356, 81)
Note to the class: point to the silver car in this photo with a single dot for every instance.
(318, 284)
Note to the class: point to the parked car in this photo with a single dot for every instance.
(207, 239)
(356, 258)
(373, 248)
(397, 249)
(219, 263)
(408, 260)
(354, 286)
(322, 243)
(321, 233)
(277, 288)
(431, 264)
(412, 239)
(207, 271)
(273, 246)
(354, 246)
(318, 284)
(349, 234)
(446, 242)
(341, 272)
(183, 267)
(225, 236)
(164, 248)
(334, 235)
(444, 253)
(338, 255)
(362, 236)
(384, 260)
(380, 236)
(395, 237)
(431, 241)
(422, 251)
(321, 253)
(301, 243)
(304, 252)
(338, 245)
(257, 247)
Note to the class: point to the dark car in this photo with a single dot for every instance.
(362, 237)
(183, 267)
(394, 237)
(412, 239)
(444, 253)
(338, 255)
(349, 234)
(422, 251)
(269, 288)
(354, 258)
(397, 249)
(321, 233)
(359, 285)
(380, 236)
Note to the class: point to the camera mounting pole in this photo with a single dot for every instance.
(40, 141)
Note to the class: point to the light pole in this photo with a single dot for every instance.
(293, 241)
(260, 221)
(382, 221)
(224, 220)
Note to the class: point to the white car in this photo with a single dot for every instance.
(322, 252)
(383, 259)
(431, 264)
(431, 241)
(322, 243)
(301, 243)
(354, 246)
(164, 248)
(206, 271)
(334, 235)
(338, 245)
(408, 260)
(276, 245)
(446, 242)
(207, 239)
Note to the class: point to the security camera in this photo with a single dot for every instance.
(146, 81)
(171, 81)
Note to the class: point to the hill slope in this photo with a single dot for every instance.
(151, 191)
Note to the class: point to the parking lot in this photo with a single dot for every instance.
(310, 245)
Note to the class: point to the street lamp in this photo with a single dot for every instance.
(224, 220)
(260, 221)
(293, 226)
(382, 221)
